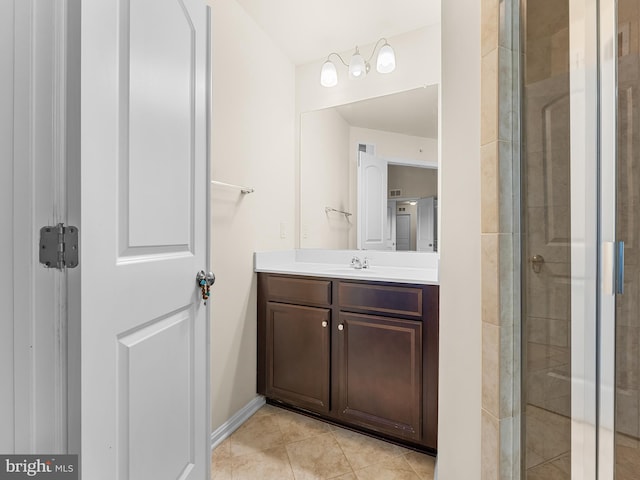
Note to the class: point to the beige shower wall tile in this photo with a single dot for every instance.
(548, 434)
(509, 19)
(497, 370)
(491, 369)
(496, 187)
(489, 98)
(497, 265)
(490, 286)
(490, 447)
(507, 272)
(505, 94)
(507, 158)
(497, 96)
(489, 178)
(497, 451)
(490, 25)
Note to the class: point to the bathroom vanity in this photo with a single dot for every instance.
(355, 347)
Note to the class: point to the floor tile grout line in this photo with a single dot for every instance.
(353, 470)
(294, 442)
(412, 467)
(278, 417)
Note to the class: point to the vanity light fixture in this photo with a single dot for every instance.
(358, 66)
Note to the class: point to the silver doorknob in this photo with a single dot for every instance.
(340, 327)
(536, 263)
(208, 278)
(324, 324)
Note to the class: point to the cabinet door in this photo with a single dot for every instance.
(297, 355)
(379, 373)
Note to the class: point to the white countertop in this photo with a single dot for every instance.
(398, 267)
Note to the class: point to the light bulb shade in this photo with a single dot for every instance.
(357, 66)
(386, 59)
(328, 74)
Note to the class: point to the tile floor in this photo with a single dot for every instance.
(276, 444)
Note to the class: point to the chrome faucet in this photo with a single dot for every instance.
(358, 265)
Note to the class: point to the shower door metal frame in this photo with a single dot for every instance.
(585, 251)
(593, 57)
(608, 58)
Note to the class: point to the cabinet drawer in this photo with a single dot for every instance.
(298, 290)
(393, 300)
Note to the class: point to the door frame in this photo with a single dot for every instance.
(46, 191)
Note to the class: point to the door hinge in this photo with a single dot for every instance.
(59, 247)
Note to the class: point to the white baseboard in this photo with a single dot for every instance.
(231, 425)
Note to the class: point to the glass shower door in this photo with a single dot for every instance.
(580, 238)
(546, 242)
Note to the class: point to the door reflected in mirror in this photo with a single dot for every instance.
(376, 161)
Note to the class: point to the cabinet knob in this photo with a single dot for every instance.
(340, 327)
(324, 324)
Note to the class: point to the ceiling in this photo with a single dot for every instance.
(414, 112)
(308, 30)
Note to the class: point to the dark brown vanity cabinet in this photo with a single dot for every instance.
(379, 374)
(294, 347)
(298, 355)
(364, 354)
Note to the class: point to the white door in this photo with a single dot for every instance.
(403, 232)
(144, 147)
(390, 227)
(425, 225)
(372, 202)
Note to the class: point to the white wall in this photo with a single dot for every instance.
(324, 180)
(252, 144)
(396, 146)
(6, 217)
(460, 279)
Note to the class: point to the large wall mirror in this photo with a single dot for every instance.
(369, 174)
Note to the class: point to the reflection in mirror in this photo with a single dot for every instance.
(413, 191)
(375, 160)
